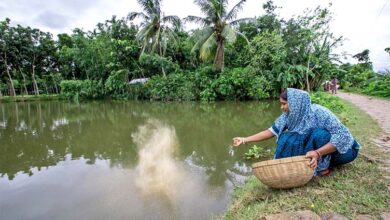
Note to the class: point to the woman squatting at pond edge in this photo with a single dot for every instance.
(308, 129)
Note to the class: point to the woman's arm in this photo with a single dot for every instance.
(315, 154)
(264, 135)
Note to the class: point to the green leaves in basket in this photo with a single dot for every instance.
(254, 152)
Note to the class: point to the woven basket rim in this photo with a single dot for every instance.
(280, 161)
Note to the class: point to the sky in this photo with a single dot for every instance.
(364, 24)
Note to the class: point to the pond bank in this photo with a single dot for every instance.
(29, 98)
(353, 190)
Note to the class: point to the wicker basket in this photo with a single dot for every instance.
(284, 173)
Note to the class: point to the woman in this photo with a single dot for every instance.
(308, 129)
(334, 85)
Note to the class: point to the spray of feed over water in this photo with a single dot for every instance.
(158, 173)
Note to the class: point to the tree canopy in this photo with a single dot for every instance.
(225, 58)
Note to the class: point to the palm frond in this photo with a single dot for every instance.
(164, 41)
(222, 7)
(233, 12)
(147, 6)
(172, 19)
(203, 4)
(201, 36)
(159, 41)
(146, 34)
(238, 21)
(142, 33)
(197, 20)
(133, 15)
(216, 10)
(208, 7)
(208, 47)
(171, 35)
(229, 34)
(243, 36)
(157, 6)
(156, 41)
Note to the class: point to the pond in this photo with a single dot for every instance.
(124, 159)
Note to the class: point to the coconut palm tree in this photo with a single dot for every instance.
(155, 31)
(217, 29)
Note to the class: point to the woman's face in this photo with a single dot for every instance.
(283, 105)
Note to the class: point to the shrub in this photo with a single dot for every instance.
(240, 84)
(115, 85)
(137, 91)
(75, 89)
(330, 102)
(152, 63)
(177, 86)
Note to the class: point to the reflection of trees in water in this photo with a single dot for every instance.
(22, 147)
(41, 134)
(33, 136)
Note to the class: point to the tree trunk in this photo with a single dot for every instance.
(162, 66)
(46, 88)
(55, 85)
(219, 56)
(307, 76)
(11, 83)
(24, 82)
(35, 85)
(73, 70)
(163, 71)
(9, 86)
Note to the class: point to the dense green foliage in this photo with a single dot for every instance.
(262, 56)
(361, 78)
(331, 102)
(231, 84)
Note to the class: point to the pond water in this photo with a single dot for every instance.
(124, 160)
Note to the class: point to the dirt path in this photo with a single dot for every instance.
(378, 109)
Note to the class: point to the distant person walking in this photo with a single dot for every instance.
(327, 86)
(334, 85)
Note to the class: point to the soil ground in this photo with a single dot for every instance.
(379, 109)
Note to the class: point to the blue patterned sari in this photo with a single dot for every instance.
(308, 127)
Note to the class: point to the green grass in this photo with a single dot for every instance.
(361, 92)
(355, 188)
(26, 98)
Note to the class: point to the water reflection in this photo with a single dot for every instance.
(133, 157)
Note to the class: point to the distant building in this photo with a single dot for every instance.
(139, 80)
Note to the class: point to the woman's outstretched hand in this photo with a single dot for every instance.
(237, 141)
(313, 155)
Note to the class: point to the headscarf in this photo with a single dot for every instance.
(299, 116)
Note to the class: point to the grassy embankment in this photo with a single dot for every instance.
(381, 95)
(30, 98)
(355, 188)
